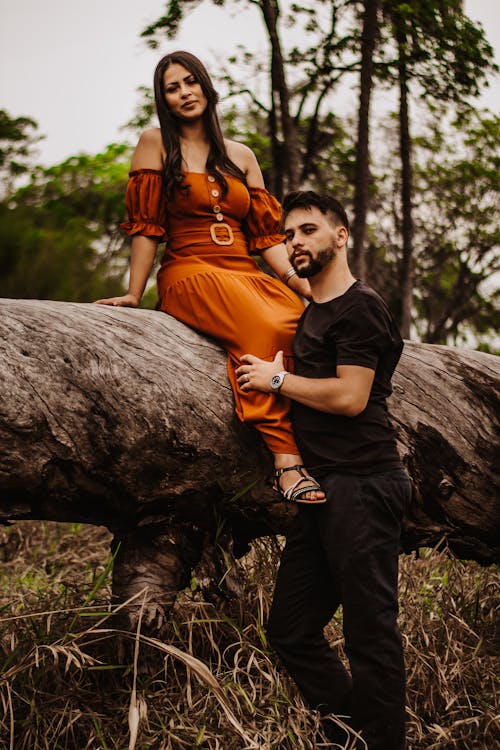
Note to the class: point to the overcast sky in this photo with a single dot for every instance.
(75, 67)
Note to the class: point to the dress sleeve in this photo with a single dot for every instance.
(263, 220)
(145, 204)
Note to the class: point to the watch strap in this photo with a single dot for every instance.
(278, 378)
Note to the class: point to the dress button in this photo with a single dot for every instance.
(211, 178)
(215, 193)
(220, 217)
(217, 209)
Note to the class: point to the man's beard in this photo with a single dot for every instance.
(315, 265)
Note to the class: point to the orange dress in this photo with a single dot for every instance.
(209, 280)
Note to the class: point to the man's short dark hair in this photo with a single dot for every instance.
(327, 204)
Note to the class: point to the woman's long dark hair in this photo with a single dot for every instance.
(218, 161)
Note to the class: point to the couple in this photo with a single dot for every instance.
(204, 196)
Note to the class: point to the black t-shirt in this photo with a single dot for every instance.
(356, 328)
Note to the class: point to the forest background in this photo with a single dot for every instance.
(378, 103)
(380, 110)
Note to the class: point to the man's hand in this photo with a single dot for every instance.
(255, 374)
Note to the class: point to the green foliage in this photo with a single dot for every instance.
(169, 22)
(42, 262)
(249, 125)
(145, 111)
(18, 138)
(60, 237)
(461, 250)
(456, 231)
(444, 51)
(59, 234)
(331, 170)
(83, 185)
(430, 48)
(330, 167)
(290, 87)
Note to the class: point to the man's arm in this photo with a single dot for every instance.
(347, 394)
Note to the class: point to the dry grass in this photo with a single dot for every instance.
(219, 686)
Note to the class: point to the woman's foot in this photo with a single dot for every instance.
(293, 482)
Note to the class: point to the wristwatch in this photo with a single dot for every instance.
(277, 380)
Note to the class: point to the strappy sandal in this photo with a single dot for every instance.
(293, 494)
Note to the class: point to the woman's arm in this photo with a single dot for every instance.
(148, 154)
(276, 256)
(141, 262)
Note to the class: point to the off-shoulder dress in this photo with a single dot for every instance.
(210, 280)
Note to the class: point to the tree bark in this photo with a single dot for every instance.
(124, 418)
(362, 166)
(288, 154)
(405, 149)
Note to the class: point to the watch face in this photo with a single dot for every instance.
(276, 381)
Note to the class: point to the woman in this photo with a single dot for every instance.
(205, 197)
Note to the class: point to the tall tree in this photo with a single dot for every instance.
(423, 47)
(362, 170)
(406, 279)
(446, 57)
(280, 100)
(456, 204)
(457, 298)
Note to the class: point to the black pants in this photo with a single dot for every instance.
(345, 552)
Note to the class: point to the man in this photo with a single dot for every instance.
(343, 552)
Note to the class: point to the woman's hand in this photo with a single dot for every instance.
(277, 258)
(126, 300)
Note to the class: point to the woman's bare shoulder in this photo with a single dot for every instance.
(149, 152)
(245, 159)
(239, 153)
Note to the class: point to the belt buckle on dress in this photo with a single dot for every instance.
(225, 227)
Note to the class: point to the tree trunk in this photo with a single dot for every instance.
(278, 166)
(290, 154)
(362, 166)
(406, 269)
(124, 418)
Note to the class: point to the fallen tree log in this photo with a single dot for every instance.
(124, 418)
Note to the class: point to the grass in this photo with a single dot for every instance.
(64, 684)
